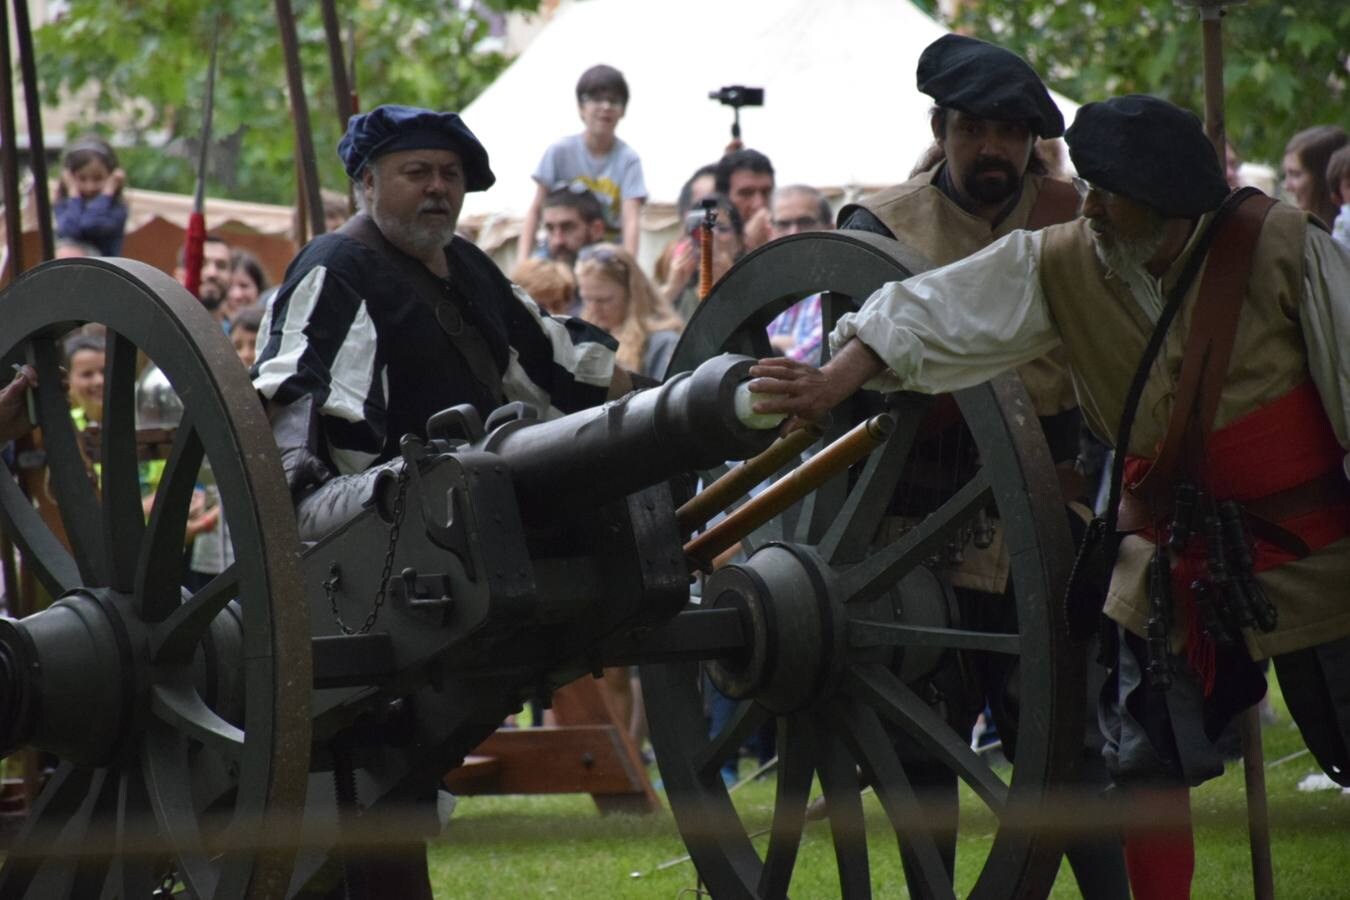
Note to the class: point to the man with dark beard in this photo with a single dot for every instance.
(980, 181)
(1271, 459)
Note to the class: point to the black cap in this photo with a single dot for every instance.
(1150, 151)
(388, 128)
(985, 80)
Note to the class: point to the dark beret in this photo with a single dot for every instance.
(987, 81)
(1149, 151)
(388, 128)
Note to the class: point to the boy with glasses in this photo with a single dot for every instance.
(595, 159)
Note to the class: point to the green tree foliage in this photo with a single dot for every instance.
(1284, 62)
(148, 59)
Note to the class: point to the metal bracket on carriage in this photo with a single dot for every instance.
(468, 507)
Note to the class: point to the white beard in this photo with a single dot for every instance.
(415, 238)
(1122, 255)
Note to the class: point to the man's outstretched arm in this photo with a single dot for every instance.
(806, 393)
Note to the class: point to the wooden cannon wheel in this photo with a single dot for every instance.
(837, 630)
(178, 764)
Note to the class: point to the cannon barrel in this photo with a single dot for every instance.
(596, 455)
(647, 437)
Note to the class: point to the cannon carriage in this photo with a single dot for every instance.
(218, 742)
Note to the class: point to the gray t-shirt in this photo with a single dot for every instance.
(613, 178)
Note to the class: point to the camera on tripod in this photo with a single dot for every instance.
(736, 96)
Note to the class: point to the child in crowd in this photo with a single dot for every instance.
(596, 160)
(89, 204)
(244, 333)
(247, 283)
(1338, 180)
(85, 358)
(549, 283)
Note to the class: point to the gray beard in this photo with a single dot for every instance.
(1121, 256)
(417, 240)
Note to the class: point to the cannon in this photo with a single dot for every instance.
(218, 742)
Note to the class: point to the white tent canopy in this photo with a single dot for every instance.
(841, 111)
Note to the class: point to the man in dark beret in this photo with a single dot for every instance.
(1273, 455)
(394, 318)
(982, 179)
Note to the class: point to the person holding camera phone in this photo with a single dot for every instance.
(595, 160)
(681, 290)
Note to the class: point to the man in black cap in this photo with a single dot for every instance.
(1272, 459)
(394, 318)
(981, 180)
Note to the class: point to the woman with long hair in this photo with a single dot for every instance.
(1305, 169)
(618, 297)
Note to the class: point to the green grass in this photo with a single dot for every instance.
(559, 846)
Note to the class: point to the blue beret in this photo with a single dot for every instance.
(388, 128)
(1150, 151)
(985, 80)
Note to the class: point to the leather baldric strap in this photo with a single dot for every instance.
(462, 331)
(1204, 367)
(1057, 202)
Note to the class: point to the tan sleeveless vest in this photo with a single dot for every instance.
(1105, 337)
(920, 215)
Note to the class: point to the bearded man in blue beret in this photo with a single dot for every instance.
(1204, 333)
(391, 319)
(394, 318)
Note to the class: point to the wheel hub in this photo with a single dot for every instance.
(74, 678)
(794, 628)
(74, 670)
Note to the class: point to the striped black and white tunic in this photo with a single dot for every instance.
(347, 330)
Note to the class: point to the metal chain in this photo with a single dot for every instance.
(334, 579)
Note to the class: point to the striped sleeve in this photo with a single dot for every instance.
(321, 343)
(558, 364)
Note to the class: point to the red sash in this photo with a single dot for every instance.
(1276, 452)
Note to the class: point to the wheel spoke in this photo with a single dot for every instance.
(796, 765)
(58, 802)
(752, 342)
(818, 509)
(848, 828)
(175, 640)
(94, 836)
(72, 485)
(132, 872)
(123, 519)
(893, 699)
(866, 580)
(874, 747)
(180, 707)
(159, 571)
(51, 562)
(832, 309)
(723, 746)
(851, 533)
(167, 783)
(862, 633)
